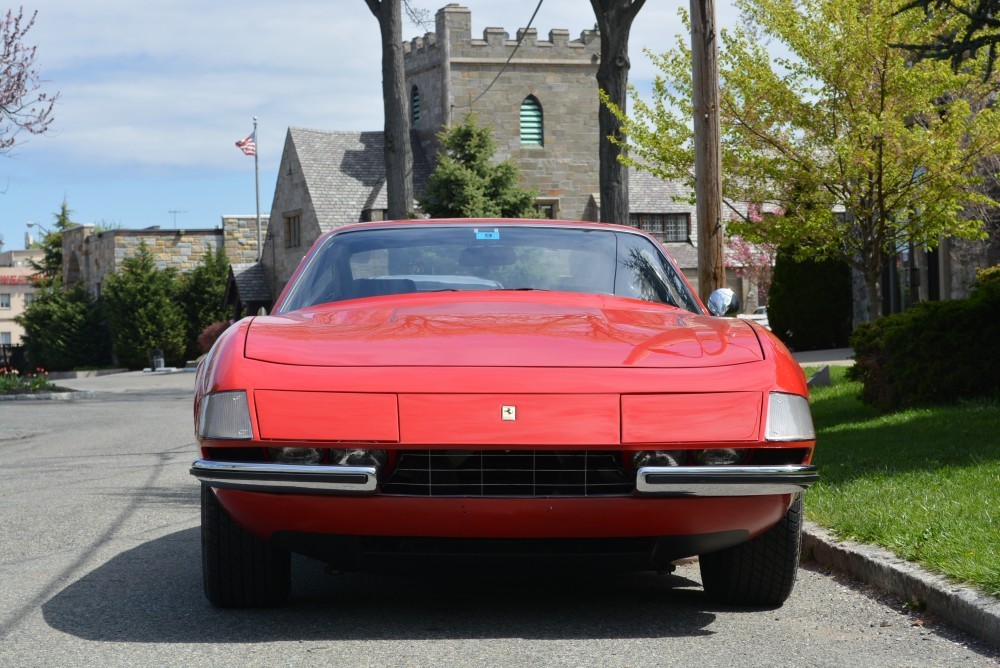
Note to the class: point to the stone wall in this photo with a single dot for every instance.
(452, 70)
(291, 197)
(240, 236)
(89, 256)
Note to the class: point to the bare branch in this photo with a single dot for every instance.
(23, 105)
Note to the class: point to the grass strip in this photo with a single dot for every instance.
(923, 482)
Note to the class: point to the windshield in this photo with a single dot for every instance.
(382, 261)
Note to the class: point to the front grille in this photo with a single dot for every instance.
(520, 473)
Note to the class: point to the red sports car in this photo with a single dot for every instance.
(510, 390)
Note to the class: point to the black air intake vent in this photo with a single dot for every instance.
(507, 473)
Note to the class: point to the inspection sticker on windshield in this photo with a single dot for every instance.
(488, 236)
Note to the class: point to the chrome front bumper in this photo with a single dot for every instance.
(287, 478)
(724, 480)
(683, 481)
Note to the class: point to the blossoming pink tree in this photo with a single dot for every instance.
(23, 105)
(753, 262)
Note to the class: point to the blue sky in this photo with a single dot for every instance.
(153, 96)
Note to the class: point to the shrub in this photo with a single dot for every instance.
(466, 183)
(143, 311)
(210, 335)
(810, 302)
(201, 294)
(65, 329)
(934, 353)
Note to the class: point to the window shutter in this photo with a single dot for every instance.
(531, 122)
(415, 105)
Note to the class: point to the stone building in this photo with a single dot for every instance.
(89, 255)
(543, 113)
(17, 290)
(325, 180)
(542, 108)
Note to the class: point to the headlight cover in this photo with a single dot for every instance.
(225, 416)
(788, 418)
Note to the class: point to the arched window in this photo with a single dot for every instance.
(532, 130)
(415, 105)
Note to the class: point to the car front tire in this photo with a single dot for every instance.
(760, 572)
(239, 569)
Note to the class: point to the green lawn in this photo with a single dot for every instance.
(924, 483)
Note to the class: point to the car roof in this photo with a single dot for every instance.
(471, 222)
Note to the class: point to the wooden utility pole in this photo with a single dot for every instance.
(707, 148)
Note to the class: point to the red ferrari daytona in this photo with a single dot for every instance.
(511, 390)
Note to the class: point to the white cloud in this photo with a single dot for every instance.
(157, 92)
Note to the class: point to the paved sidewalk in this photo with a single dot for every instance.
(133, 381)
(835, 357)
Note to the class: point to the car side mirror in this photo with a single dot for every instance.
(723, 302)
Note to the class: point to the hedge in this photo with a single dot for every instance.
(934, 353)
(810, 302)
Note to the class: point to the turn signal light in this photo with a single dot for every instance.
(788, 418)
(225, 415)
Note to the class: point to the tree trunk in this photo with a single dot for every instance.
(398, 151)
(873, 285)
(614, 20)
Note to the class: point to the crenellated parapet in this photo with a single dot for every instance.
(453, 39)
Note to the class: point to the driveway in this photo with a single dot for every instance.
(100, 565)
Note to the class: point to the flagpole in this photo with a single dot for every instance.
(256, 172)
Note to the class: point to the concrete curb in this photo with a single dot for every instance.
(960, 606)
(49, 396)
(96, 373)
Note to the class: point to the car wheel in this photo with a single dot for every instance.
(761, 571)
(239, 569)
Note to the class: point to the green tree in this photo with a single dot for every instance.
(864, 149)
(958, 30)
(50, 267)
(201, 293)
(65, 329)
(467, 183)
(143, 311)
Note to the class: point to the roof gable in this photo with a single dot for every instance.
(344, 172)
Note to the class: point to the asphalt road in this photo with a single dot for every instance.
(100, 566)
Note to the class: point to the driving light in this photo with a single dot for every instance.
(788, 418)
(357, 457)
(659, 458)
(225, 415)
(720, 456)
(297, 455)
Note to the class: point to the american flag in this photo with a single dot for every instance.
(248, 145)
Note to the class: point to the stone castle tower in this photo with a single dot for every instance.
(542, 109)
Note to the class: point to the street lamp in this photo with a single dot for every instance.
(41, 227)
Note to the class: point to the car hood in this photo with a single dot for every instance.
(487, 329)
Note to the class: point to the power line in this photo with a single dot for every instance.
(516, 47)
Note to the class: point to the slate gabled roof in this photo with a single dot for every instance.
(648, 193)
(251, 282)
(345, 172)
